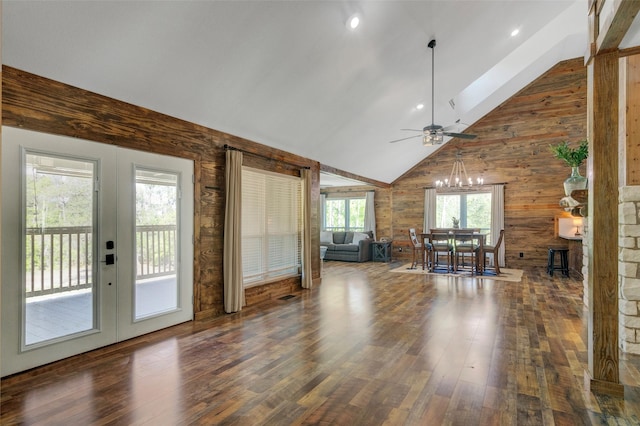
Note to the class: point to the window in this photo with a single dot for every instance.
(271, 225)
(344, 214)
(472, 209)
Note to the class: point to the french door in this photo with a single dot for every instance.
(96, 246)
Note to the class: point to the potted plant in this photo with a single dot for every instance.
(574, 157)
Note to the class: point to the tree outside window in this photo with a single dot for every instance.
(472, 209)
(344, 214)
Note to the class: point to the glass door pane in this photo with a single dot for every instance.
(59, 242)
(156, 224)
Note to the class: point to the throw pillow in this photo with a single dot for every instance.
(326, 237)
(359, 236)
(348, 237)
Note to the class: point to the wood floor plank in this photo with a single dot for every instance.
(366, 347)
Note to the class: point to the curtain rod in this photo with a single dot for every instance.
(232, 148)
(464, 187)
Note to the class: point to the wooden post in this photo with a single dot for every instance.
(603, 224)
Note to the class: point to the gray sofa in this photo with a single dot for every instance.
(342, 246)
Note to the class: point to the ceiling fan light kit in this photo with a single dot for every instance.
(434, 138)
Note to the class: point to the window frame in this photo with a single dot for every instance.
(347, 227)
(462, 194)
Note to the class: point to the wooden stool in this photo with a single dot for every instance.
(564, 260)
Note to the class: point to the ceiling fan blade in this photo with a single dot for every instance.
(451, 128)
(404, 139)
(413, 130)
(455, 126)
(460, 135)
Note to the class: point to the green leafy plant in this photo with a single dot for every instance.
(573, 156)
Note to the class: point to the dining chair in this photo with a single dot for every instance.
(466, 244)
(493, 250)
(417, 247)
(441, 243)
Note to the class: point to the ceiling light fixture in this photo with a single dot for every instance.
(515, 32)
(353, 22)
(458, 177)
(419, 106)
(432, 138)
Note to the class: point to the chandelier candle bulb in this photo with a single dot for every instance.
(458, 176)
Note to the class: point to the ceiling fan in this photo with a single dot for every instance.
(434, 133)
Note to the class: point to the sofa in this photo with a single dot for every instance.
(347, 246)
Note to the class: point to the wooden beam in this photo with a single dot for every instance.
(592, 28)
(373, 182)
(0, 132)
(629, 51)
(603, 230)
(616, 24)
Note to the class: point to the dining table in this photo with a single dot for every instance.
(472, 236)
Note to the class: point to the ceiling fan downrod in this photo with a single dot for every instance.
(434, 133)
(432, 45)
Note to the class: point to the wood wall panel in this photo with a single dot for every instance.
(36, 103)
(383, 213)
(513, 148)
(272, 291)
(632, 121)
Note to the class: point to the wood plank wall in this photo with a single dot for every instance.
(512, 147)
(632, 121)
(36, 103)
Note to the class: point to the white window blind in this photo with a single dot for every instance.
(271, 225)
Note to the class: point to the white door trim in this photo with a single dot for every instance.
(113, 301)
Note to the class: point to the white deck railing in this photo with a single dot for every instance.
(59, 259)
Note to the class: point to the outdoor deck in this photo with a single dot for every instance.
(61, 314)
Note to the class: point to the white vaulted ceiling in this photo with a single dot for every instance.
(289, 74)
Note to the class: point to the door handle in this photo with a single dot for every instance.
(110, 259)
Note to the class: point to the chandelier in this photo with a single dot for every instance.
(458, 177)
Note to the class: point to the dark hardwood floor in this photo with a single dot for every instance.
(366, 347)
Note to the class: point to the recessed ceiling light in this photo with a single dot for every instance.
(419, 106)
(515, 32)
(353, 22)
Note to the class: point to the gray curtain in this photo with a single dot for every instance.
(307, 281)
(497, 218)
(232, 254)
(370, 213)
(429, 221)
